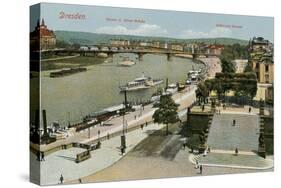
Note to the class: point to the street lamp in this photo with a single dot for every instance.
(123, 137)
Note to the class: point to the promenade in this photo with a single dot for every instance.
(132, 119)
(63, 161)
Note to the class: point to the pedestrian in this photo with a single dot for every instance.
(80, 180)
(146, 123)
(201, 169)
(209, 149)
(184, 143)
(236, 151)
(135, 117)
(250, 109)
(233, 122)
(141, 126)
(122, 150)
(42, 156)
(61, 179)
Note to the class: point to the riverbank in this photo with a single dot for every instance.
(69, 62)
(59, 58)
(141, 116)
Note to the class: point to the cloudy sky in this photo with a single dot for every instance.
(143, 22)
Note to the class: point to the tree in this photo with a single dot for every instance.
(248, 68)
(76, 45)
(62, 44)
(167, 112)
(202, 92)
(227, 67)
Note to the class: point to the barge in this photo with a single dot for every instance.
(66, 72)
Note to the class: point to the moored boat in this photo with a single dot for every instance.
(140, 83)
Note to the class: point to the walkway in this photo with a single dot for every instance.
(224, 138)
(63, 161)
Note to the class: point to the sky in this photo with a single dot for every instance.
(144, 22)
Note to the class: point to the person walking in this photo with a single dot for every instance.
(201, 169)
(184, 143)
(61, 179)
(122, 150)
(250, 109)
(233, 122)
(236, 151)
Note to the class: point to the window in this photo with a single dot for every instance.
(266, 68)
(266, 79)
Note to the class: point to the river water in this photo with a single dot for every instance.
(71, 97)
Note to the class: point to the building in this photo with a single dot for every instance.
(176, 47)
(240, 65)
(42, 38)
(155, 44)
(191, 48)
(164, 45)
(264, 69)
(260, 44)
(261, 59)
(145, 44)
(120, 42)
(215, 49)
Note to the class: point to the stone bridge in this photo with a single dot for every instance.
(110, 50)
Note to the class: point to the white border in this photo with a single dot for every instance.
(14, 104)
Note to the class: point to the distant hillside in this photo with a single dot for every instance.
(85, 38)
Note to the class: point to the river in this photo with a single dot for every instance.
(71, 97)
